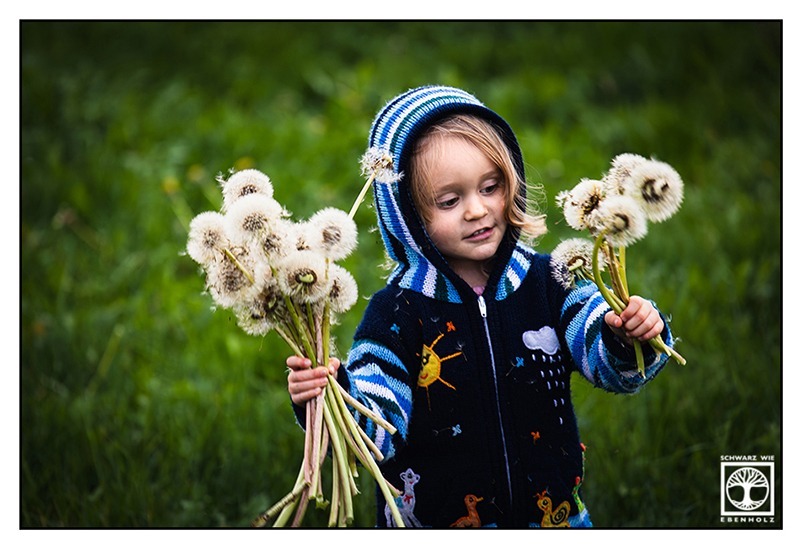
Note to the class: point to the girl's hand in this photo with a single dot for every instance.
(639, 320)
(305, 383)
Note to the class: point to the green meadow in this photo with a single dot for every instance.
(142, 406)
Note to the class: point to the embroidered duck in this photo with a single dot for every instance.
(557, 518)
(473, 518)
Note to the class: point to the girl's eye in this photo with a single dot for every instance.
(446, 203)
(490, 188)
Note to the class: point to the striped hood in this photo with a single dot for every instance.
(420, 267)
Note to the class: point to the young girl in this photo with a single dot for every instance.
(469, 349)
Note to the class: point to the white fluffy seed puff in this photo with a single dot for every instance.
(207, 237)
(621, 218)
(244, 183)
(332, 232)
(658, 187)
(580, 203)
(343, 291)
(378, 163)
(250, 218)
(302, 275)
(621, 167)
(262, 314)
(234, 278)
(571, 261)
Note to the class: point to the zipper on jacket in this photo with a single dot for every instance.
(484, 314)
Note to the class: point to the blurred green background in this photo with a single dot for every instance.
(143, 407)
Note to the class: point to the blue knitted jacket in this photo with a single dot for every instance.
(479, 391)
(478, 387)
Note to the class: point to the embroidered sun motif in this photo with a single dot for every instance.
(431, 366)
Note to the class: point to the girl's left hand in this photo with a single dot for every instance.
(639, 320)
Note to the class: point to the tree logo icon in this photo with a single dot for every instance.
(747, 488)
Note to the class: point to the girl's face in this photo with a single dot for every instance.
(466, 221)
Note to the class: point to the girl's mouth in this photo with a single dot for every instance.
(480, 234)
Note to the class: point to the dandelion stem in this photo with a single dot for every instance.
(615, 268)
(613, 300)
(622, 269)
(361, 196)
(325, 332)
(302, 332)
(283, 504)
(335, 509)
(309, 433)
(606, 293)
(312, 326)
(317, 442)
(639, 357)
(388, 427)
(365, 457)
(339, 457)
(290, 342)
(301, 507)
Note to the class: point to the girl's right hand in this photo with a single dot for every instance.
(305, 383)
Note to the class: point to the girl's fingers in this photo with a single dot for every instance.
(295, 362)
(641, 319)
(305, 384)
(302, 397)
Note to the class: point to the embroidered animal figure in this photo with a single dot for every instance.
(473, 518)
(552, 518)
(406, 501)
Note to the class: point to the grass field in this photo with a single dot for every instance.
(141, 406)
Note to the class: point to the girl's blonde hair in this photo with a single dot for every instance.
(481, 134)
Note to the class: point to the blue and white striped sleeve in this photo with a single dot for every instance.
(600, 356)
(377, 371)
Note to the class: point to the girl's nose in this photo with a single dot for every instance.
(475, 208)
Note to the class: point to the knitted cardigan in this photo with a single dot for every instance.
(478, 387)
(479, 391)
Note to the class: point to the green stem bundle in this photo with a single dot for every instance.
(619, 297)
(330, 426)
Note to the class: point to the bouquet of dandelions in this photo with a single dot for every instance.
(278, 275)
(616, 211)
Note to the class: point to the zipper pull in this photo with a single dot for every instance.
(483, 310)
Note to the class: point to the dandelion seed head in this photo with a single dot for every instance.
(207, 236)
(621, 167)
(250, 217)
(332, 232)
(227, 283)
(260, 315)
(278, 240)
(580, 203)
(658, 188)
(379, 162)
(560, 272)
(302, 235)
(622, 220)
(343, 293)
(571, 261)
(302, 276)
(243, 183)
